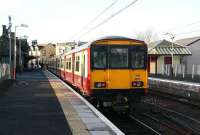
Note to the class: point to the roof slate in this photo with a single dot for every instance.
(187, 41)
(164, 47)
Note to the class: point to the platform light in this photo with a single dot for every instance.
(14, 68)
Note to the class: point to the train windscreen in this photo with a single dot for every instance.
(119, 57)
(138, 57)
(99, 57)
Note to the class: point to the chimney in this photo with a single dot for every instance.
(5, 31)
(34, 42)
(12, 35)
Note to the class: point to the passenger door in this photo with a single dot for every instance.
(118, 73)
(73, 67)
(83, 70)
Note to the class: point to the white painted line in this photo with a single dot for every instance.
(102, 117)
(174, 81)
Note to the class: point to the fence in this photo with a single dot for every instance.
(179, 72)
(4, 71)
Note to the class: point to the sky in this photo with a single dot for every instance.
(52, 21)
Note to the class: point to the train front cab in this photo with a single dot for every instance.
(119, 70)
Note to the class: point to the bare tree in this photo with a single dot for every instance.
(148, 36)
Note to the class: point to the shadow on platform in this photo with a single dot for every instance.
(30, 107)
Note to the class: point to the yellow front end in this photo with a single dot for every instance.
(119, 79)
(118, 66)
(118, 75)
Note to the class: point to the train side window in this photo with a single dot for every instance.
(67, 64)
(70, 63)
(63, 65)
(60, 63)
(57, 62)
(77, 63)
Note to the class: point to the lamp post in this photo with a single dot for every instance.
(172, 48)
(37, 55)
(14, 68)
(10, 46)
(20, 52)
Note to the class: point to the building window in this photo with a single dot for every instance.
(61, 51)
(168, 60)
(43, 52)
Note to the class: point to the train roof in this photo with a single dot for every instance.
(88, 44)
(117, 38)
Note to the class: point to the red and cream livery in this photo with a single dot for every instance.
(106, 69)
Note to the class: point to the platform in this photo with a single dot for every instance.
(183, 89)
(40, 103)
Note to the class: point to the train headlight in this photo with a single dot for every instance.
(137, 84)
(100, 84)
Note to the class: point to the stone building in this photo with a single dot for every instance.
(47, 51)
(5, 49)
(192, 62)
(160, 55)
(4, 45)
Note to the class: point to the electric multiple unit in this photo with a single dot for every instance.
(111, 70)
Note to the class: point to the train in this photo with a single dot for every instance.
(111, 71)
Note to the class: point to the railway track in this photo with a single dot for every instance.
(175, 98)
(180, 120)
(145, 125)
(157, 121)
(185, 122)
(164, 124)
(130, 125)
(161, 125)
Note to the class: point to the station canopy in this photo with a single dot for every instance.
(164, 47)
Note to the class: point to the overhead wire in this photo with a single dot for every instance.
(184, 26)
(178, 34)
(96, 17)
(108, 18)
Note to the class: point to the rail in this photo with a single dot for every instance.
(184, 121)
(145, 125)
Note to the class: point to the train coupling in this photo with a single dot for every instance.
(120, 103)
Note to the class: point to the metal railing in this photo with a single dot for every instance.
(179, 72)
